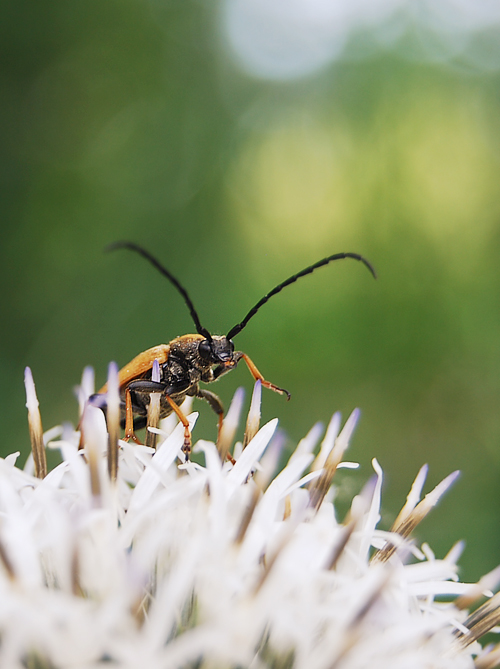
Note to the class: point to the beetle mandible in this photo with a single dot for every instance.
(189, 359)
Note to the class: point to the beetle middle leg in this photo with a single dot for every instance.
(215, 404)
(186, 449)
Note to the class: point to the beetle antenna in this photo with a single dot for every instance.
(321, 263)
(145, 254)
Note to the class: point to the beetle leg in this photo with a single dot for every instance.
(182, 418)
(215, 404)
(223, 369)
(258, 376)
(147, 386)
(129, 418)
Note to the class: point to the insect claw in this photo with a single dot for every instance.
(186, 448)
(281, 391)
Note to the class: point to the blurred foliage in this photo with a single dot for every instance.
(130, 120)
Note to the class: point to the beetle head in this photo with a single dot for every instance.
(216, 350)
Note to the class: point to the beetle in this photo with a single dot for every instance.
(189, 360)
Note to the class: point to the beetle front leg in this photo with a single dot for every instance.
(142, 386)
(218, 371)
(258, 376)
(186, 448)
(129, 418)
(146, 386)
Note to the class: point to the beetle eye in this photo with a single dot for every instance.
(205, 350)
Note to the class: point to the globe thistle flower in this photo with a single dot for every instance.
(126, 556)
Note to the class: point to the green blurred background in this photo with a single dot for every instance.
(142, 120)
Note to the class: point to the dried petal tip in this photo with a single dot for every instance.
(35, 425)
(328, 442)
(483, 587)
(321, 485)
(490, 659)
(85, 389)
(230, 424)
(31, 398)
(113, 420)
(413, 497)
(407, 522)
(253, 420)
(153, 409)
(95, 445)
(481, 621)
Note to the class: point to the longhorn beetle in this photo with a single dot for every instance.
(189, 359)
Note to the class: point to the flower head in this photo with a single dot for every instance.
(154, 562)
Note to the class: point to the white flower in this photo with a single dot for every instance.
(227, 564)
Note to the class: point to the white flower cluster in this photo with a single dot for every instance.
(175, 564)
